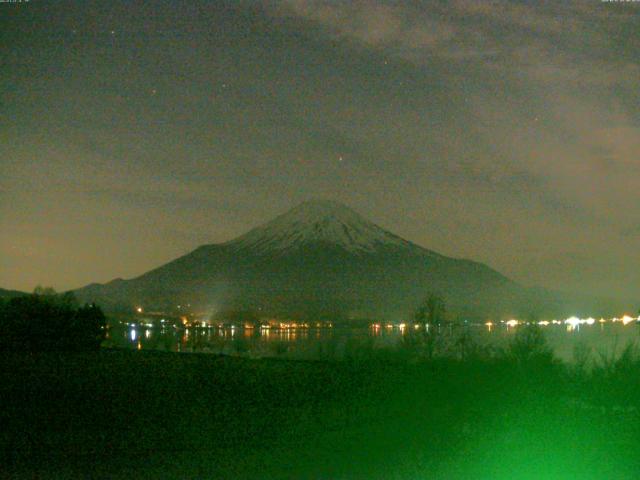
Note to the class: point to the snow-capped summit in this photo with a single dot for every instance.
(318, 221)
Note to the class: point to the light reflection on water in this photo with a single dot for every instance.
(313, 343)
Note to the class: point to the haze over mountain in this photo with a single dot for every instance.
(322, 259)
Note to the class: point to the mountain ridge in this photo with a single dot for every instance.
(6, 293)
(320, 258)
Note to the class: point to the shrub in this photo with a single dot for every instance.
(530, 348)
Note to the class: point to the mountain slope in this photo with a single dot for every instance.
(319, 259)
(11, 293)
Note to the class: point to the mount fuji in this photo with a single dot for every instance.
(320, 259)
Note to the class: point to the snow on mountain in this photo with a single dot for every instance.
(318, 221)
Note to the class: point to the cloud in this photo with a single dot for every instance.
(547, 113)
(553, 42)
(394, 26)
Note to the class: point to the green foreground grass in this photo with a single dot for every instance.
(144, 414)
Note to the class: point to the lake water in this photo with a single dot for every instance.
(337, 342)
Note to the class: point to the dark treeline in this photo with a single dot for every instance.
(147, 414)
(436, 406)
(45, 321)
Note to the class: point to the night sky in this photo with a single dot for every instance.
(505, 132)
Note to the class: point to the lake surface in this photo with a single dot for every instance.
(608, 339)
